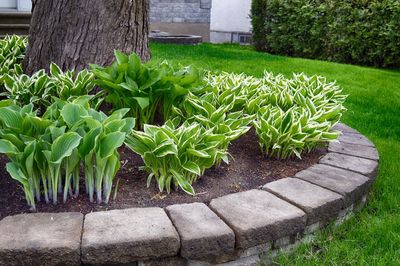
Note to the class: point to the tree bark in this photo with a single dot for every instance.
(75, 33)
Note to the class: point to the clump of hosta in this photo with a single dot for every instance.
(12, 52)
(40, 88)
(47, 152)
(280, 103)
(216, 116)
(146, 89)
(283, 134)
(176, 156)
(230, 88)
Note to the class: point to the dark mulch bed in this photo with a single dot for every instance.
(249, 169)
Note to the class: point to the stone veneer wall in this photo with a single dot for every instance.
(180, 11)
(181, 16)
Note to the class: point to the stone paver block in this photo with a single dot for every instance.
(256, 250)
(360, 165)
(34, 239)
(345, 129)
(312, 228)
(258, 217)
(357, 139)
(347, 183)
(282, 242)
(124, 236)
(354, 149)
(172, 261)
(203, 234)
(319, 203)
(248, 261)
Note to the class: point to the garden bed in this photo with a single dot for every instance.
(248, 170)
(235, 228)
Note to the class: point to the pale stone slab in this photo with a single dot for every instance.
(360, 165)
(319, 203)
(345, 128)
(32, 239)
(256, 250)
(125, 236)
(258, 217)
(248, 261)
(172, 261)
(354, 150)
(347, 183)
(357, 139)
(203, 234)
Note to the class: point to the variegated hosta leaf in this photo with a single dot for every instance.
(177, 155)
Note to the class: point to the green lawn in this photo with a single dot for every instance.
(372, 237)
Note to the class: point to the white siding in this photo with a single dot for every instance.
(8, 4)
(230, 16)
(20, 5)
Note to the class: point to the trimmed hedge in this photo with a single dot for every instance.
(365, 32)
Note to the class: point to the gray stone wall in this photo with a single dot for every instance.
(180, 11)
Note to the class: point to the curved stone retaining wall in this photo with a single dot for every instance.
(232, 230)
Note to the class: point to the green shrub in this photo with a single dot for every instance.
(12, 51)
(359, 32)
(144, 88)
(258, 15)
(47, 152)
(177, 156)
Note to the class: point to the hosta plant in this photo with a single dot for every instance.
(12, 51)
(283, 134)
(101, 136)
(47, 152)
(69, 85)
(176, 156)
(318, 104)
(230, 88)
(24, 89)
(215, 116)
(145, 89)
(40, 88)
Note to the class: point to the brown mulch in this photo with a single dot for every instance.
(249, 169)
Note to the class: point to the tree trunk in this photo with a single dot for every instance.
(75, 33)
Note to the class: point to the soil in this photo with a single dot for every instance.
(249, 169)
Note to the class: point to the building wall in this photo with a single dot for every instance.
(181, 16)
(173, 16)
(20, 5)
(228, 22)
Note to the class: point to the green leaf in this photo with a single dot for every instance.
(165, 148)
(16, 173)
(121, 57)
(72, 113)
(55, 70)
(63, 146)
(142, 101)
(184, 184)
(7, 147)
(192, 167)
(197, 153)
(11, 118)
(89, 142)
(110, 143)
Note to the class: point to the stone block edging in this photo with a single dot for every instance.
(234, 229)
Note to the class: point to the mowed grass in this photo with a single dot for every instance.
(372, 236)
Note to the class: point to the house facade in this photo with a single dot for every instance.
(16, 5)
(181, 17)
(217, 21)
